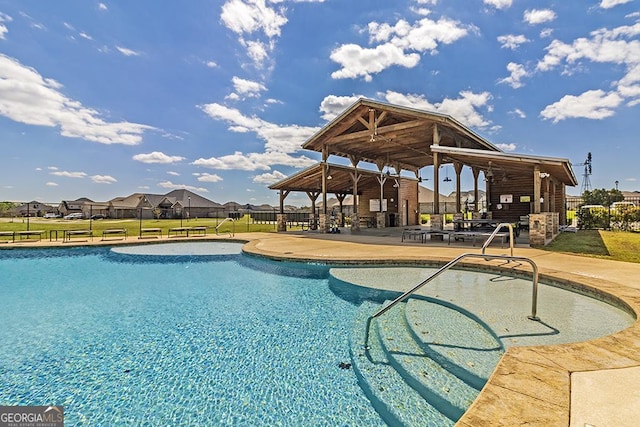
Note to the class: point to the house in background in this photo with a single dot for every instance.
(33, 209)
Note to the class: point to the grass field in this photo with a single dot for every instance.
(615, 245)
(133, 226)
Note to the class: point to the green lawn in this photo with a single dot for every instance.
(615, 245)
(132, 226)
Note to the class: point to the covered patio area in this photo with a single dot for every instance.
(406, 145)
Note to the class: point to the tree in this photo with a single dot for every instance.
(603, 197)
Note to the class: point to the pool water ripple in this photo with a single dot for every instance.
(183, 343)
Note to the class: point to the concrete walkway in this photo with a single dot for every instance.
(593, 383)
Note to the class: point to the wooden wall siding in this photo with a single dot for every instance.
(516, 186)
(409, 192)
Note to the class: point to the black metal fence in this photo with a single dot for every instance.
(620, 216)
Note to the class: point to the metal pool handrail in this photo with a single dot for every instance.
(495, 232)
(233, 227)
(447, 266)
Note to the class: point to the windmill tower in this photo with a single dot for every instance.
(586, 181)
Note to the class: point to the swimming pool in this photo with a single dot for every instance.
(182, 334)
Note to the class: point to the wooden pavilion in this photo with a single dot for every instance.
(403, 139)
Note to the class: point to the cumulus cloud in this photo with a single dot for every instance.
(333, 105)
(507, 147)
(51, 184)
(593, 104)
(157, 157)
(29, 98)
(608, 4)
(211, 64)
(539, 16)
(499, 4)
(464, 109)
(269, 178)
(603, 46)
(67, 174)
(247, 88)
(517, 73)
(102, 6)
(512, 41)
(103, 179)
(208, 177)
(170, 185)
(400, 44)
(257, 24)
(280, 141)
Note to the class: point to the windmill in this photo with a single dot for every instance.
(586, 181)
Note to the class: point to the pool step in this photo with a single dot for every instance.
(395, 400)
(427, 361)
(454, 338)
(432, 379)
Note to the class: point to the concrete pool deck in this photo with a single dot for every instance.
(592, 383)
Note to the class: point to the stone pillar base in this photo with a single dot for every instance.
(381, 220)
(323, 223)
(355, 222)
(281, 221)
(437, 222)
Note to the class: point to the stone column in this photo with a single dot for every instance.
(537, 229)
(281, 220)
(355, 222)
(437, 223)
(323, 223)
(381, 219)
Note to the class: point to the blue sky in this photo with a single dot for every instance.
(104, 99)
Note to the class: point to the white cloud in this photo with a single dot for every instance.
(401, 44)
(27, 97)
(247, 87)
(332, 105)
(52, 168)
(172, 173)
(463, 109)
(209, 177)
(280, 140)
(103, 179)
(507, 147)
(85, 36)
(518, 112)
(499, 4)
(51, 184)
(608, 4)
(127, 52)
(157, 157)
(593, 104)
(211, 64)
(3, 28)
(67, 174)
(517, 73)
(604, 46)
(170, 185)
(102, 6)
(512, 41)
(539, 16)
(269, 178)
(254, 18)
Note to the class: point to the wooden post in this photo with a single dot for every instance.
(436, 172)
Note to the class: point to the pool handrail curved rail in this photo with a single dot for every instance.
(447, 266)
(233, 227)
(495, 232)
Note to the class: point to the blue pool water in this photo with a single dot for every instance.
(216, 338)
(200, 334)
